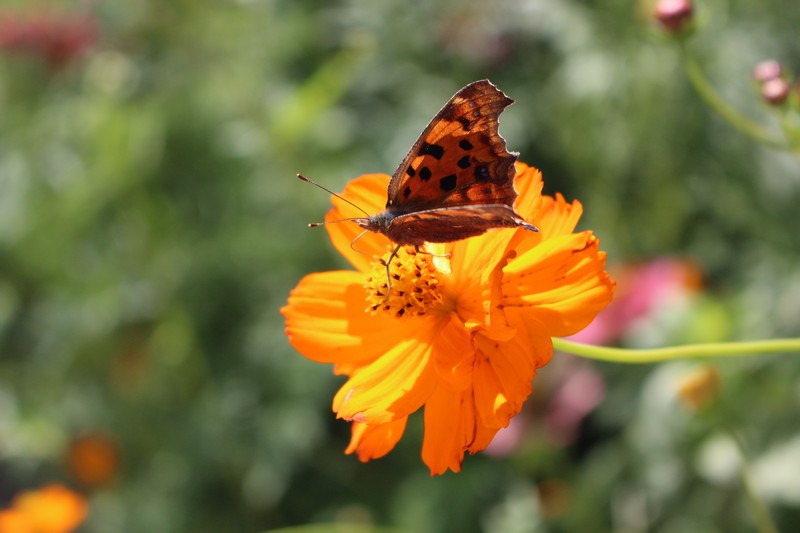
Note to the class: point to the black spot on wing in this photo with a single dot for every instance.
(432, 149)
(424, 174)
(465, 145)
(410, 171)
(465, 123)
(481, 173)
(463, 162)
(448, 183)
(407, 192)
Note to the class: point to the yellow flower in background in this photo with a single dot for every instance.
(464, 329)
(51, 509)
(699, 388)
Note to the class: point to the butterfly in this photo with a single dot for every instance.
(457, 181)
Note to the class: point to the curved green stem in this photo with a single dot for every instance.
(715, 102)
(654, 355)
(761, 516)
(790, 122)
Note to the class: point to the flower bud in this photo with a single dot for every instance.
(699, 388)
(767, 70)
(674, 15)
(775, 91)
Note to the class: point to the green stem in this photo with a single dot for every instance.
(764, 523)
(715, 102)
(654, 355)
(790, 123)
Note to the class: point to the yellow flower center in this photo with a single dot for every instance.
(414, 287)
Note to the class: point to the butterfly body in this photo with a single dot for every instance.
(457, 181)
(442, 225)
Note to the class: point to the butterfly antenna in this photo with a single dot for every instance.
(317, 224)
(342, 198)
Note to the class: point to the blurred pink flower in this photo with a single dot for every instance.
(57, 38)
(581, 391)
(508, 438)
(568, 392)
(642, 289)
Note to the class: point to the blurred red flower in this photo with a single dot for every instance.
(57, 38)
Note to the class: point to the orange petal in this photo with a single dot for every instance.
(372, 442)
(528, 183)
(555, 217)
(454, 355)
(479, 303)
(483, 437)
(503, 378)
(472, 260)
(369, 193)
(561, 283)
(504, 372)
(394, 385)
(558, 217)
(326, 322)
(471, 257)
(491, 401)
(449, 429)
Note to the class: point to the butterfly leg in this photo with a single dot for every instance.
(353, 242)
(445, 256)
(389, 273)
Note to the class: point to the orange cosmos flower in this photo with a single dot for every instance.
(51, 509)
(93, 459)
(464, 330)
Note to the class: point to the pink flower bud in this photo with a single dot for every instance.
(674, 15)
(775, 91)
(767, 70)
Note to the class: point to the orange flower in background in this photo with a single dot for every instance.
(464, 329)
(51, 509)
(93, 459)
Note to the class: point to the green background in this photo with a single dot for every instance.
(151, 227)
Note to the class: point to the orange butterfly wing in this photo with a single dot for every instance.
(460, 159)
(457, 181)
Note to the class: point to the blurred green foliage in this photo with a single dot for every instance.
(151, 227)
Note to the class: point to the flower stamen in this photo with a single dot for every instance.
(414, 288)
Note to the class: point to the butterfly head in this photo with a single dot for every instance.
(400, 229)
(377, 223)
